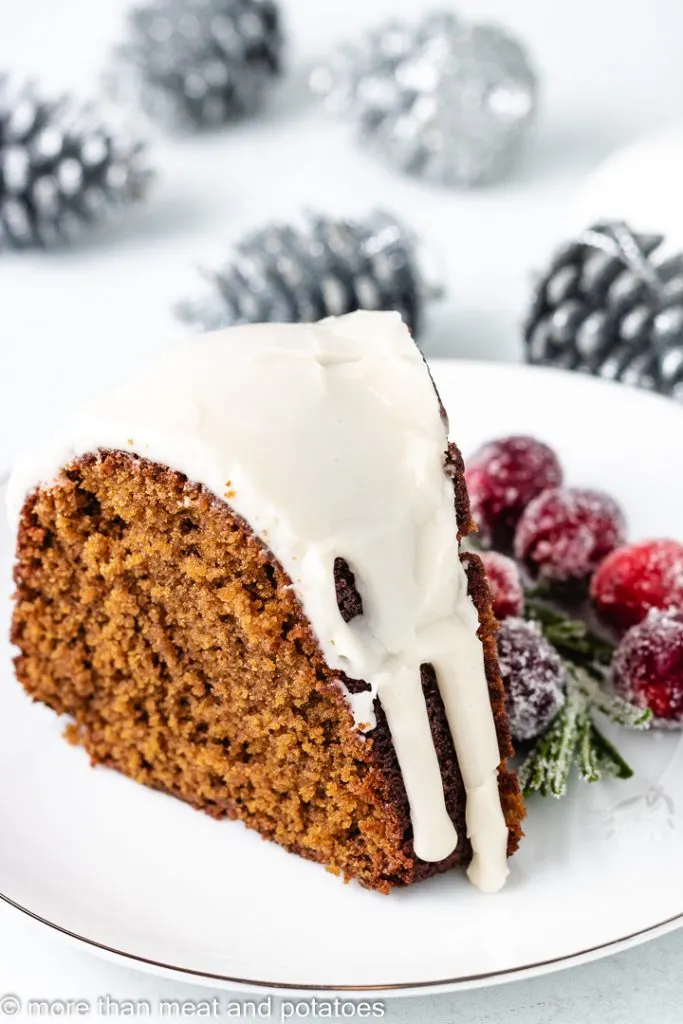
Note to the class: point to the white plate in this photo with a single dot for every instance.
(142, 878)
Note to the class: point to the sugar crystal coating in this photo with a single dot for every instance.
(503, 476)
(566, 532)
(505, 584)
(647, 669)
(533, 675)
(636, 578)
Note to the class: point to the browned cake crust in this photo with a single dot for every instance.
(148, 612)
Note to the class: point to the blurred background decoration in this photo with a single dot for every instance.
(609, 307)
(200, 63)
(319, 267)
(448, 93)
(443, 98)
(63, 168)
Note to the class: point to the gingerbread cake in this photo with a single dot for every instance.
(239, 577)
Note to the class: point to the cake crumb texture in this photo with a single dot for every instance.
(150, 614)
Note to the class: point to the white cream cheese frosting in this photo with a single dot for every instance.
(328, 440)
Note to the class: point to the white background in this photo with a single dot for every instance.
(611, 71)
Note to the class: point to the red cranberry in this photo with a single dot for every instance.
(636, 578)
(505, 584)
(647, 668)
(533, 676)
(502, 478)
(566, 532)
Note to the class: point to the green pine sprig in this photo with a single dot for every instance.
(612, 706)
(574, 739)
(572, 637)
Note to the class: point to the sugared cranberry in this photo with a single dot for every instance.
(566, 532)
(636, 578)
(502, 478)
(533, 676)
(505, 584)
(647, 668)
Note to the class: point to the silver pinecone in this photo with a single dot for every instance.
(202, 62)
(324, 267)
(61, 168)
(447, 99)
(608, 306)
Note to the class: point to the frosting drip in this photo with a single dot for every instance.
(328, 440)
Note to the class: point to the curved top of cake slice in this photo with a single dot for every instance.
(329, 440)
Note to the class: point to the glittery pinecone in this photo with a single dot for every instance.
(61, 168)
(446, 99)
(202, 62)
(608, 306)
(323, 267)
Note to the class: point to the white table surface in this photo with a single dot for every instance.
(611, 72)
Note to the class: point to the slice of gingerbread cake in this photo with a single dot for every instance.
(239, 576)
